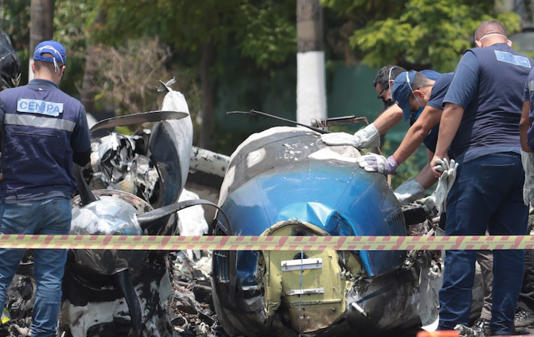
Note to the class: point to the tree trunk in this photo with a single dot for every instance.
(41, 25)
(206, 114)
(309, 25)
(311, 91)
(88, 87)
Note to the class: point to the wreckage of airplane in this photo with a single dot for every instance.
(132, 176)
(133, 189)
(286, 181)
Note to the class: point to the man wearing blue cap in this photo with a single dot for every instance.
(44, 131)
(369, 136)
(413, 91)
(383, 81)
(482, 109)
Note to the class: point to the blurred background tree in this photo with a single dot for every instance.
(240, 54)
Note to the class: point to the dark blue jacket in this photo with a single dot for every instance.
(42, 128)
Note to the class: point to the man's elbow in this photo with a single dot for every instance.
(397, 113)
(524, 123)
(82, 158)
(420, 131)
(451, 108)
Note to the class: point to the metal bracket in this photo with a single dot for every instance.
(305, 291)
(291, 265)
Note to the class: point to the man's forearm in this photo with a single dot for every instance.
(524, 125)
(426, 178)
(388, 119)
(449, 124)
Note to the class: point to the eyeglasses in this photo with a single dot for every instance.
(379, 96)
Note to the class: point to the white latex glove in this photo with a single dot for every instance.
(364, 138)
(445, 182)
(409, 191)
(527, 159)
(429, 203)
(376, 163)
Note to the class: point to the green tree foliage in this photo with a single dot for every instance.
(417, 33)
(270, 33)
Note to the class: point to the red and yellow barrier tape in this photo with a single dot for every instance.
(267, 242)
(452, 334)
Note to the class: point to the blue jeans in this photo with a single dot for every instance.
(50, 216)
(487, 194)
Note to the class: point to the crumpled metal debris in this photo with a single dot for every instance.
(121, 162)
(19, 304)
(190, 308)
(108, 215)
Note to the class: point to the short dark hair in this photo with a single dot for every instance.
(420, 81)
(387, 73)
(489, 27)
(50, 66)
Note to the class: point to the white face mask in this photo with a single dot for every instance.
(478, 42)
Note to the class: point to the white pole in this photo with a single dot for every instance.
(311, 90)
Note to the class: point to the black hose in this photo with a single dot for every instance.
(86, 195)
(149, 218)
(132, 300)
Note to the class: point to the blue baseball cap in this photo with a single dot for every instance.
(402, 89)
(431, 74)
(52, 47)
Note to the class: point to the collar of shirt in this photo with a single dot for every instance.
(40, 83)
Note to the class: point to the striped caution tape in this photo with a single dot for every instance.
(267, 242)
(453, 333)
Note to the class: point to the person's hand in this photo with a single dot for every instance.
(445, 182)
(376, 163)
(364, 138)
(436, 164)
(339, 139)
(527, 159)
(409, 191)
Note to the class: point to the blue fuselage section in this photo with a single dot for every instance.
(340, 199)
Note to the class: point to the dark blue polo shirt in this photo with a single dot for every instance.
(488, 83)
